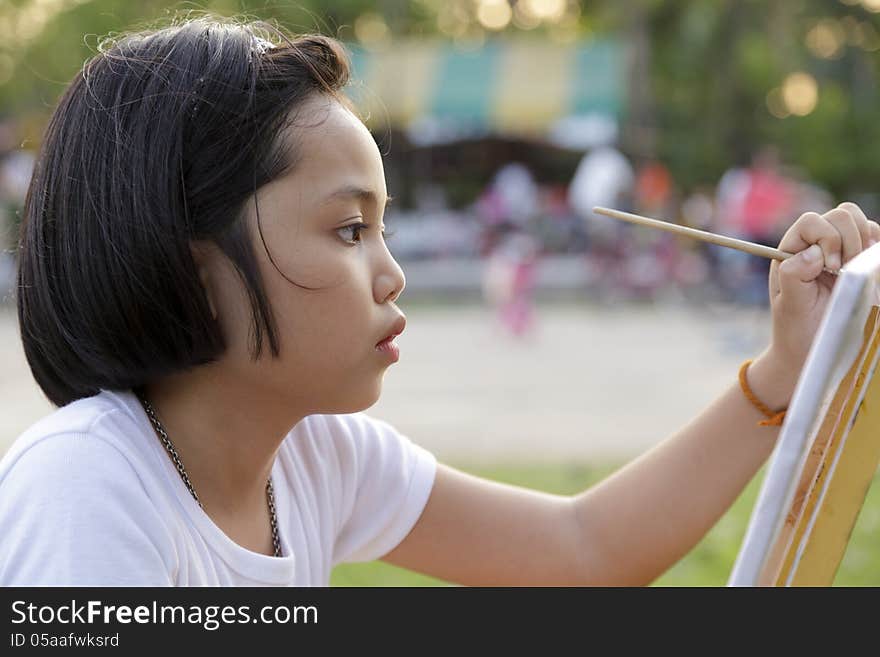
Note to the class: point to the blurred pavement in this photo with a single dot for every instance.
(594, 383)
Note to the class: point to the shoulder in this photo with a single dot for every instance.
(354, 439)
(352, 426)
(82, 416)
(76, 500)
(356, 453)
(82, 450)
(378, 479)
(89, 433)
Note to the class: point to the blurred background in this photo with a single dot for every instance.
(546, 345)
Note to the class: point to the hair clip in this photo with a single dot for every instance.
(196, 98)
(261, 45)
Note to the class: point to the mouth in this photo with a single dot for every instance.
(387, 343)
(396, 329)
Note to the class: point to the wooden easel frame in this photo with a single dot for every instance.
(829, 446)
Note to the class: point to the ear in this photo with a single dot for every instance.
(204, 254)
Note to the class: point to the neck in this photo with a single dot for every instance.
(226, 436)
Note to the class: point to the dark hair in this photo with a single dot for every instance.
(159, 141)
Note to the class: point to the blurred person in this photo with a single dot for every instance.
(695, 267)
(732, 267)
(604, 176)
(560, 230)
(509, 209)
(15, 174)
(653, 189)
(758, 202)
(212, 306)
(649, 257)
(514, 194)
(768, 200)
(509, 280)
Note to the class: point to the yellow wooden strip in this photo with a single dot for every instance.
(831, 533)
(830, 450)
(533, 86)
(836, 420)
(400, 82)
(844, 497)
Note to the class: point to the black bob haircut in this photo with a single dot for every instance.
(159, 141)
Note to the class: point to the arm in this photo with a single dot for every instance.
(627, 530)
(632, 527)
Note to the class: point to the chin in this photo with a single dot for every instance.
(366, 402)
(359, 401)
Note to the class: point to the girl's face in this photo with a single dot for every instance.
(322, 224)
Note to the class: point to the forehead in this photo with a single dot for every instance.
(333, 148)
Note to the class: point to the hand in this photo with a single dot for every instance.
(800, 289)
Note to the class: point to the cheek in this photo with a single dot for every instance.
(309, 258)
(325, 327)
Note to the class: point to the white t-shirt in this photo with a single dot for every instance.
(88, 496)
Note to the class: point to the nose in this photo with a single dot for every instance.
(389, 280)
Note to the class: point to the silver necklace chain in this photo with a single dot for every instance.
(175, 458)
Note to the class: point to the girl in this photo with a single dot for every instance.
(205, 292)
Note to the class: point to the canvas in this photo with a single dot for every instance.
(828, 448)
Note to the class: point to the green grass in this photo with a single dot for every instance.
(708, 564)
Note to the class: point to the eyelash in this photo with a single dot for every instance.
(357, 228)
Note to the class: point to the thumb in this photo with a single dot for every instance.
(797, 276)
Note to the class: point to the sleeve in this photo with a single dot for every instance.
(75, 513)
(385, 480)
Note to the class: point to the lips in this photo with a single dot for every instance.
(396, 329)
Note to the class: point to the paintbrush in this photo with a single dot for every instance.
(720, 240)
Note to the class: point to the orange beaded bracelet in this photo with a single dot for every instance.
(774, 418)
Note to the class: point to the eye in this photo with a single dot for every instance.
(352, 233)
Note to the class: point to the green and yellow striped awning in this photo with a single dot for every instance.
(504, 86)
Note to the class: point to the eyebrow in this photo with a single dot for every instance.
(354, 191)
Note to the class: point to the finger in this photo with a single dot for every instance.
(851, 237)
(874, 228)
(773, 281)
(797, 277)
(862, 221)
(811, 228)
